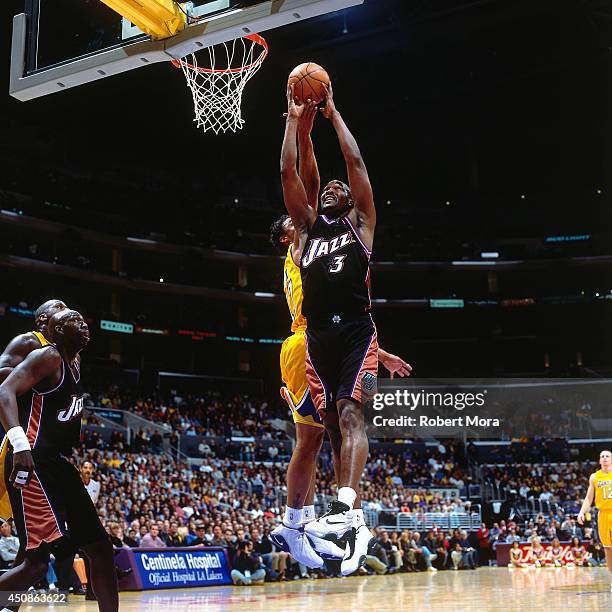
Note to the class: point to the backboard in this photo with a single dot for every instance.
(58, 44)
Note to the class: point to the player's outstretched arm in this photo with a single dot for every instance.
(308, 168)
(359, 181)
(588, 500)
(15, 352)
(294, 193)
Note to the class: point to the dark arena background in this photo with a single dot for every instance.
(487, 133)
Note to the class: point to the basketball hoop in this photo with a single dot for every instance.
(217, 87)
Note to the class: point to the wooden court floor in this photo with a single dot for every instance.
(493, 588)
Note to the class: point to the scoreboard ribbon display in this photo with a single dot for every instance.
(176, 568)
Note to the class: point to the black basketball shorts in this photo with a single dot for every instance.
(54, 506)
(341, 361)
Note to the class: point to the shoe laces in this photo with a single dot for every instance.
(335, 507)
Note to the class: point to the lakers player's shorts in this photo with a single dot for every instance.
(293, 372)
(604, 525)
(341, 361)
(55, 507)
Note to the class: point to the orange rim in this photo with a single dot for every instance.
(177, 63)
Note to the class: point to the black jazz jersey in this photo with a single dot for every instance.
(335, 271)
(52, 419)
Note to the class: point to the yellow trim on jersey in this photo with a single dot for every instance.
(603, 490)
(43, 341)
(6, 512)
(292, 285)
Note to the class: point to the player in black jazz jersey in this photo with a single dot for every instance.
(336, 243)
(40, 407)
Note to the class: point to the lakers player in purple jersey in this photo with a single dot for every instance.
(342, 349)
(40, 407)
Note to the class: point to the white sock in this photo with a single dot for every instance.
(358, 519)
(347, 496)
(308, 514)
(293, 517)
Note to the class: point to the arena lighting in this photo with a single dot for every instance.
(22, 312)
(196, 334)
(141, 240)
(116, 326)
(152, 330)
(454, 303)
(568, 238)
(489, 254)
(264, 294)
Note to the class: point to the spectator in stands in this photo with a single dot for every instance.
(131, 539)
(173, 538)
(116, 535)
(9, 545)
(513, 536)
(151, 538)
(441, 548)
(597, 555)
(391, 550)
(273, 452)
(246, 566)
(570, 529)
(197, 538)
(470, 554)
(217, 539)
(483, 534)
(423, 554)
(157, 443)
(457, 556)
(270, 559)
(376, 559)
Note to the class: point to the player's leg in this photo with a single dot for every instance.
(29, 572)
(103, 576)
(88, 534)
(301, 467)
(289, 536)
(357, 382)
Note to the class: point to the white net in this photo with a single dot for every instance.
(218, 81)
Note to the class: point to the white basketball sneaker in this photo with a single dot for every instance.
(356, 550)
(295, 542)
(333, 524)
(326, 549)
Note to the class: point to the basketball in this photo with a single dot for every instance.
(309, 81)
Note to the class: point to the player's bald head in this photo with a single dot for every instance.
(45, 311)
(67, 328)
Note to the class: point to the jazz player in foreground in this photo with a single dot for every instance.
(600, 488)
(52, 509)
(309, 429)
(342, 349)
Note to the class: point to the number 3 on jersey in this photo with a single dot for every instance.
(337, 264)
